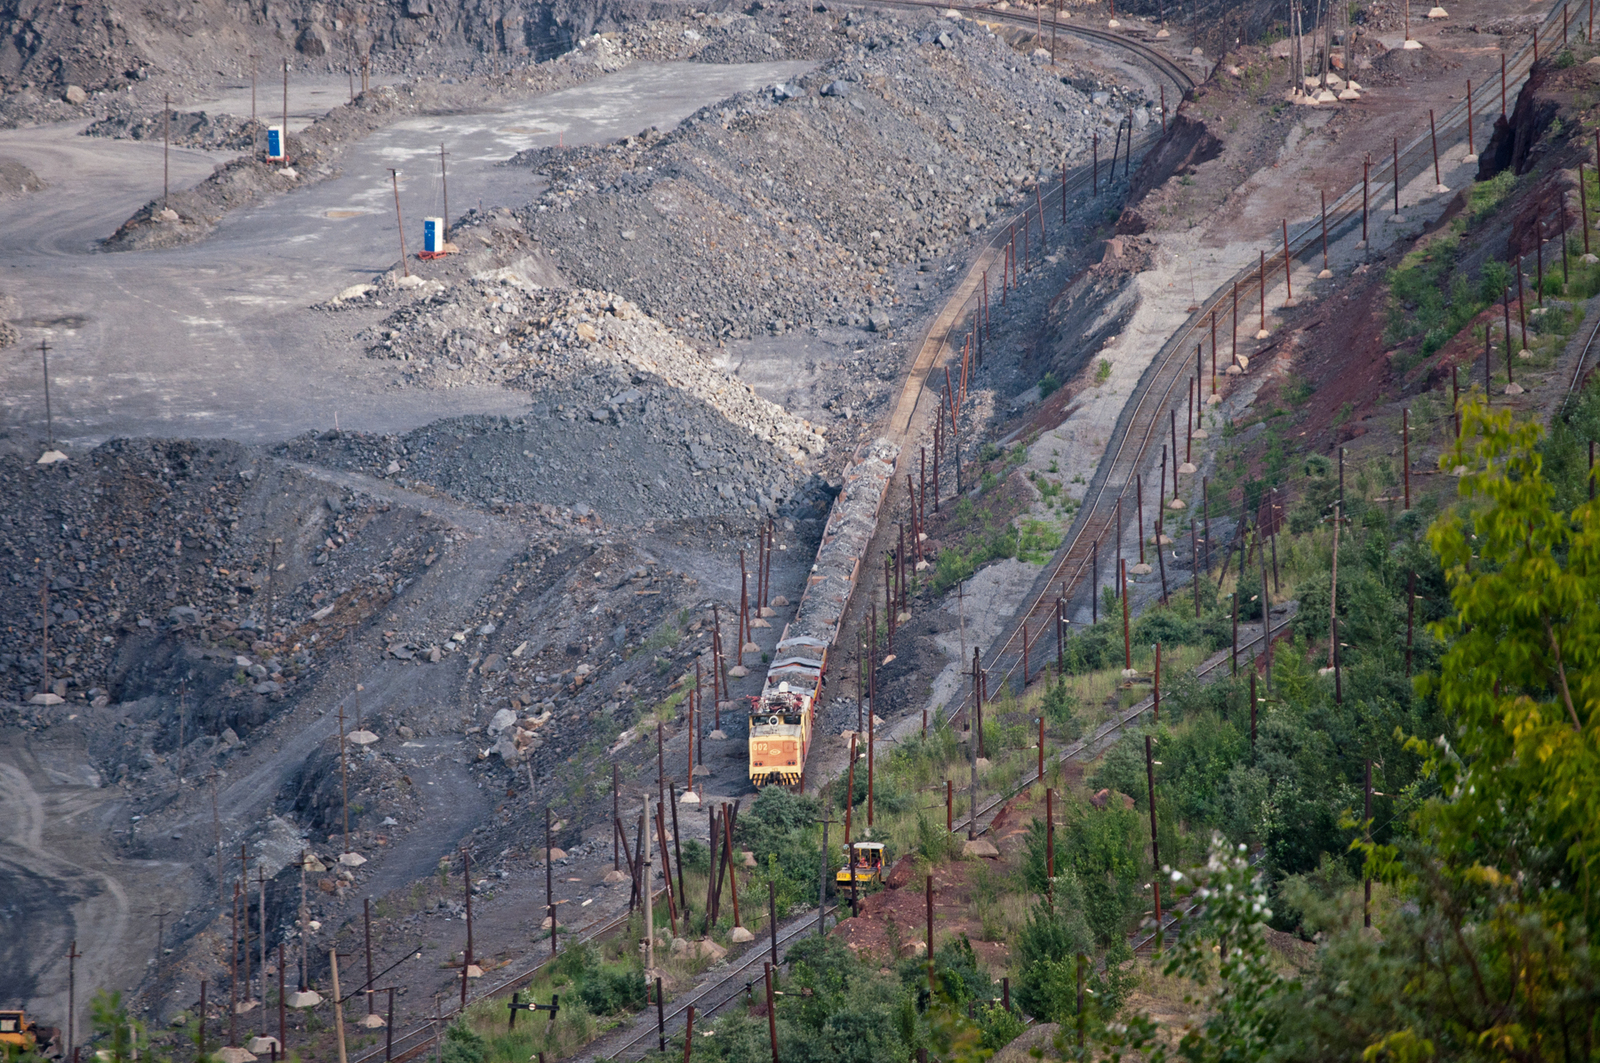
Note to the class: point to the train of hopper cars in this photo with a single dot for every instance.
(781, 717)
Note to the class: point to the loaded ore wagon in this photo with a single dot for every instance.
(781, 717)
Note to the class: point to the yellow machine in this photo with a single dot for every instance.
(780, 719)
(17, 1033)
(869, 865)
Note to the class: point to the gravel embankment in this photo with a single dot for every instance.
(786, 208)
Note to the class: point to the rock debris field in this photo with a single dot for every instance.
(523, 595)
(785, 209)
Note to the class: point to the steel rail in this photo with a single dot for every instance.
(1143, 421)
(412, 1044)
(421, 1038)
(756, 954)
(1102, 737)
(1583, 355)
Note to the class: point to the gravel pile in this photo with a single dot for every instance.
(188, 129)
(763, 34)
(145, 538)
(785, 208)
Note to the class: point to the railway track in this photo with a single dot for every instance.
(1135, 433)
(1143, 423)
(935, 344)
(1583, 356)
(1109, 731)
(420, 1039)
(707, 999)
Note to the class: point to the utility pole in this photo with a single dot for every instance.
(976, 720)
(1366, 818)
(49, 417)
(166, 147)
(822, 888)
(244, 896)
(72, 998)
(183, 707)
(344, 781)
(466, 956)
(254, 123)
(366, 941)
(549, 881)
(285, 144)
(394, 179)
(338, 1004)
(444, 181)
(1155, 845)
(216, 836)
(649, 913)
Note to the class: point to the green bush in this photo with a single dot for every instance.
(609, 991)
(462, 1044)
(1061, 710)
(1095, 647)
(998, 1026)
(1046, 954)
(696, 856)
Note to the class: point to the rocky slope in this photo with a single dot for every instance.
(785, 209)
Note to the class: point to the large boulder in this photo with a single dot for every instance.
(312, 42)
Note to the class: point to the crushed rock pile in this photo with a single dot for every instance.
(763, 34)
(143, 538)
(628, 422)
(785, 208)
(188, 129)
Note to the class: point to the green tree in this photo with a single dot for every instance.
(1221, 949)
(123, 1038)
(1490, 958)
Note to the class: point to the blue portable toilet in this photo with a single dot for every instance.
(433, 235)
(275, 142)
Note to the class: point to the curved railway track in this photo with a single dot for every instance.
(1136, 431)
(1143, 422)
(1583, 356)
(420, 1039)
(708, 998)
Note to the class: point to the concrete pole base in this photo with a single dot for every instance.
(1325, 275)
(1441, 189)
(1261, 335)
(1288, 303)
(1513, 389)
(1468, 160)
(1398, 219)
(1412, 46)
(1214, 400)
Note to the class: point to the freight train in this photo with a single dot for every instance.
(782, 716)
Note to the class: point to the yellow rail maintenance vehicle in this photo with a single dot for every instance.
(780, 719)
(17, 1034)
(868, 868)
